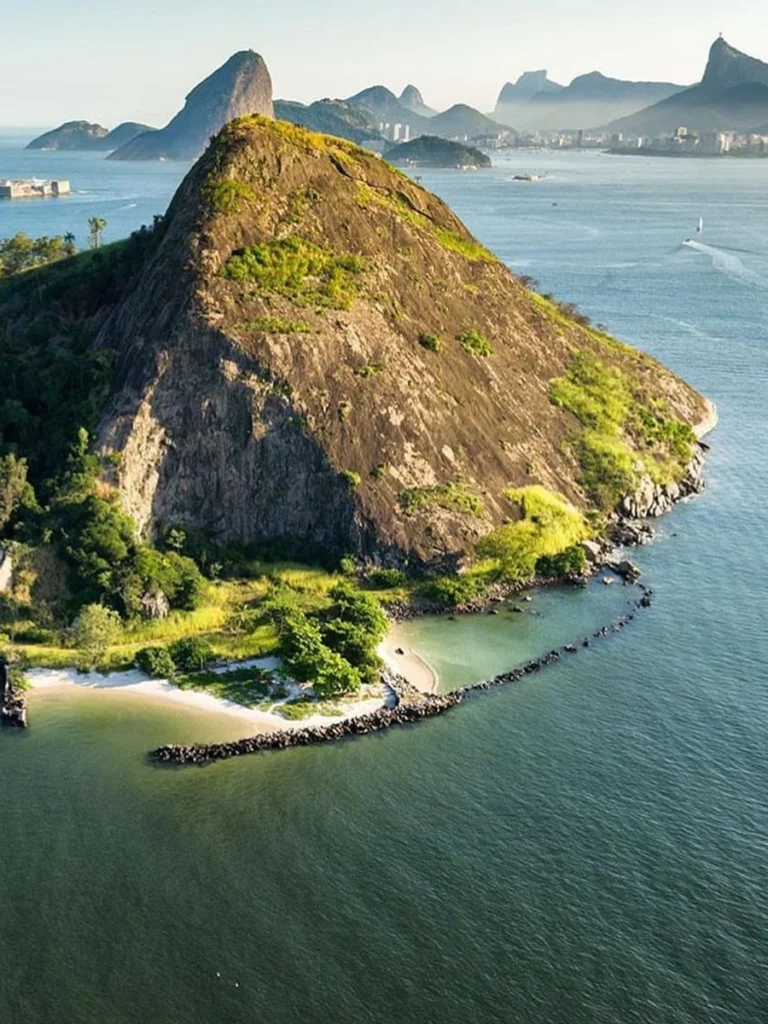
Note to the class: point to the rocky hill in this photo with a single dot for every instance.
(462, 121)
(431, 151)
(732, 95)
(83, 135)
(240, 86)
(514, 95)
(317, 348)
(331, 117)
(412, 99)
(382, 104)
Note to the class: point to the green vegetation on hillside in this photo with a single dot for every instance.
(455, 497)
(298, 270)
(548, 526)
(21, 252)
(625, 433)
(475, 343)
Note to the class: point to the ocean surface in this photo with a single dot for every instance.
(590, 847)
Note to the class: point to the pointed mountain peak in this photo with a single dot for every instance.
(728, 67)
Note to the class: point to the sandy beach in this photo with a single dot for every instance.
(134, 682)
(408, 664)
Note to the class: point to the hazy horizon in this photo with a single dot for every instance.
(72, 67)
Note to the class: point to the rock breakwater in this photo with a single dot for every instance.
(13, 710)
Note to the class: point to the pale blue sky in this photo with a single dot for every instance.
(112, 61)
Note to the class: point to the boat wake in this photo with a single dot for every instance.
(726, 263)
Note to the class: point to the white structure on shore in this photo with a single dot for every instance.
(31, 188)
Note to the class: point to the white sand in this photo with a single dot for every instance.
(409, 664)
(135, 682)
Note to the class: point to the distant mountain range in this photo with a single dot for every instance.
(240, 86)
(459, 121)
(74, 135)
(732, 95)
(535, 103)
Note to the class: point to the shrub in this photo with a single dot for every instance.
(35, 635)
(156, 662)
(347, 566)
(431, 342)
(571, 562)
(307, 658)
(475, 343)
(353, 479)
(95, 629)
(371, 370)
(386, 579)
(456, 497)
(191, 654)
(454, 591)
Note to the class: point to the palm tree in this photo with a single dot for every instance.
(95, 226)
(69, 244)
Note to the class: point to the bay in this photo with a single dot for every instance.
(590, 846)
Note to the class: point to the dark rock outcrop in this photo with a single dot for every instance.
(259, 410)
(239, 87)
(13, 702)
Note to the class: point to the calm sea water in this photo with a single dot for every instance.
(591, 846)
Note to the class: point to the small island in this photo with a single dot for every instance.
(431, 151)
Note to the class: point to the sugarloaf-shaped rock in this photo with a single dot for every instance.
(240, 86)
(316, 348)
(732, 95)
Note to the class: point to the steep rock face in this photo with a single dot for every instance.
(319, 349)
(239, 87)
(733, 94)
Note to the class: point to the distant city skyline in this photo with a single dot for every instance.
(138, 62)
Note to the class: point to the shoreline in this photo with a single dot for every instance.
(136, 684)
(409, 664)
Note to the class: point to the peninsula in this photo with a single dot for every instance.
(277, 371)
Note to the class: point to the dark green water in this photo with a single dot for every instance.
(590, 846)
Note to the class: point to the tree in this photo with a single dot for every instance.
(96, 226)
(95, 629)
(13, 481)
(69, 244)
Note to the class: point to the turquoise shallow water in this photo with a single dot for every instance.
(590, 846)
